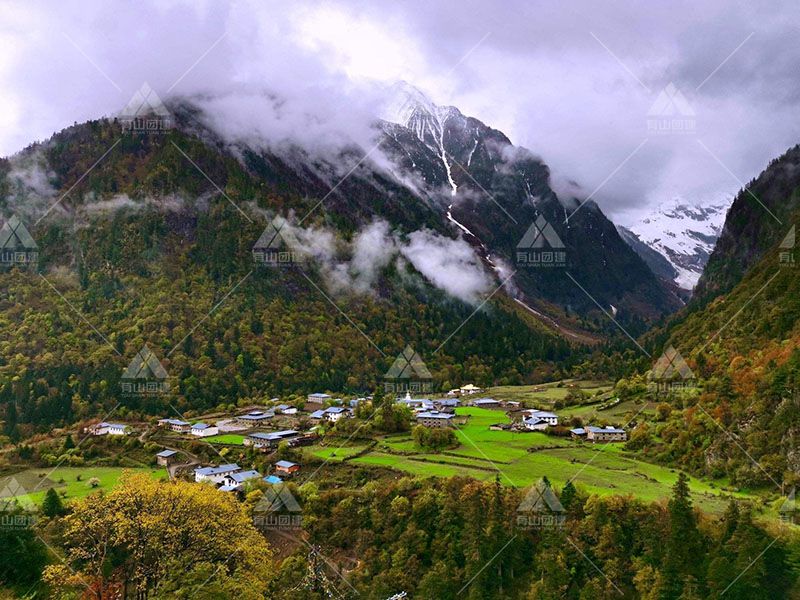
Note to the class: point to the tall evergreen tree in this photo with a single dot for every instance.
(52, 505)
(683, 557)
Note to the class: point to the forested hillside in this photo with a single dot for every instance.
(738, 416)
(146, 251)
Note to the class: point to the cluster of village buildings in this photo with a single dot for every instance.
(319, 408)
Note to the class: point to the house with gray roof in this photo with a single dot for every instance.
(434, 418)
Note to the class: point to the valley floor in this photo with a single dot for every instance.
(520, 459)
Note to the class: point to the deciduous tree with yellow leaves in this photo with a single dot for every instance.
(156, 539)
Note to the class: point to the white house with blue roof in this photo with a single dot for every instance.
(535, 424)
(240, 477)
(204, 430)
(215, 475)
(109, 429)
(332, 413)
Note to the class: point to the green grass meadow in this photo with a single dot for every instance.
(36, 482)
(521, 459)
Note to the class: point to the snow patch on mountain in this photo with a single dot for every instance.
(684, 234)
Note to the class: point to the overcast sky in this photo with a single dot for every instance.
(578, 85)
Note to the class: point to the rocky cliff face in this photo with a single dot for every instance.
(492, 192)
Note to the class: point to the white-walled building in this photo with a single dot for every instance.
(109, 429)
(543, 415)
(215, 475)
(204, 430)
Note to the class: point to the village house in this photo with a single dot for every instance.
(303, 440)
(109, 429)
(578, 433)
(286, 409)
(487, 403)
(269, 439)
(166, 458)
(285, 467)
(254, 418)
(413, 403)
(535, 424)
(215, 475)
(469, 389)
(434, 418)
(447, 402)
(175, 425)
(543, 415)
(318, 398)
(238, 478)
(606, 434)
(332, 414)
(204, 430)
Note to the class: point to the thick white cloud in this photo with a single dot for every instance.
(450, 265)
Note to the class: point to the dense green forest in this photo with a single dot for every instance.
(434, 539)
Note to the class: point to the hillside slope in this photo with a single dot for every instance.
(759, 218)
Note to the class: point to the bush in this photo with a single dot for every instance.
(434, 439)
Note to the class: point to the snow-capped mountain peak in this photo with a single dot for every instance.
(683, 234)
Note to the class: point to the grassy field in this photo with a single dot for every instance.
(485, 454)
(226, 438)
(37, 481)
(334, 452)
(545, 394)
(617, 413)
